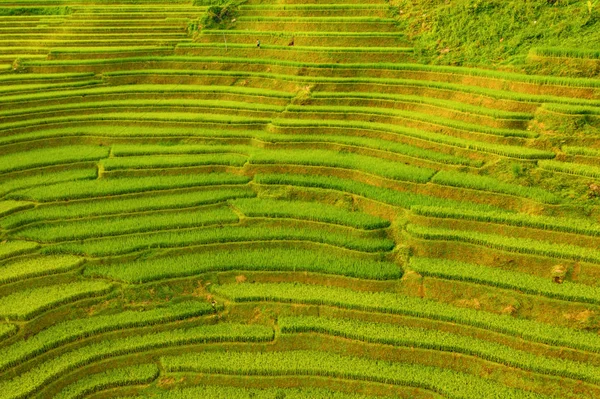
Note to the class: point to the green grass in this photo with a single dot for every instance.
(115, 117)
(450, 384)
(72, 330)
(28, 267)
(31, 381)
(586, 151)
(51, 156)
(125, 185)
(565, 52)
(571, 168)
(512, 151)
(510, 244)
(453, 270)
(386, 302)
(568, 225)
(413, 115)
(179, 161)
(132, 375)
(43, 179)
(371, 165)
(402, 199)
(9, 249)
(7, 330)
(434, 102)
(486, 183)
(120, 205)
(315, 49)
(107, 91)
(390, 334)
(24, 305)
(190, 105)
(261, 259)
(225, 392)
(111, 226)
(225, 234)
(263, 207)
(8, 207)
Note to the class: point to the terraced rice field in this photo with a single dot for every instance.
(186, 215)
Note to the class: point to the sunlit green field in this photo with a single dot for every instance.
(287, 199)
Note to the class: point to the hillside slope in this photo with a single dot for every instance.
(350, 199)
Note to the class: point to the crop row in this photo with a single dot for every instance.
(393, 147)
(571, 168)
(399, 304)
(403, 199)
(341, 237)
(492, 148)
(381, 167)
(132, 375)
(390, 334)
(264, 207)
(108, 187)
(225, 392)
(316, 49)
(72, 330)
(158, 162)
(568, 225)
(31, 381)
(23, 305)
(428, 84)
(422, 117)
(138, 117)
(28, 267)
(486, 183)
(511, 244)
(8, 207)
(365, 142)
(176, 104)
(44, 179)
(448, 269)
(8, 249)
(261, 259)
(435, 102)
(120, 205)
(449, 383)
(586, 151)
(107, 91)
(566, 52)
(51, 156)
(111, 226)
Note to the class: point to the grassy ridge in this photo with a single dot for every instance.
(263, 259)
(391, 170)
(24, 268)
(568, 225)
(448, 269)
(122, 205)
(168, 239)
(111, 226)
(264, 207)
(436, 340)
(132, 375)
(51, 156)
(23, 305)
(449, 383)
(511, 244)
(485, 183)
(119, 186)
(29, 382)
(72, 330)
(399, 304)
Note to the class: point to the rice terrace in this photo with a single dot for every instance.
(300, 199)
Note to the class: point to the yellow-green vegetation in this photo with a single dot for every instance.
(324, 199)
